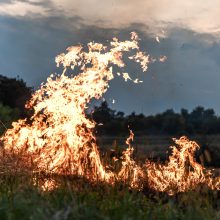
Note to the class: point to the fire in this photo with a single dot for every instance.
(130, 171)
(181, 173)
(59, 137)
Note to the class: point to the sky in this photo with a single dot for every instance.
(34, 32)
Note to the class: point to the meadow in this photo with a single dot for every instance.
(50, 167)
(77, 199)
(156, 147)
(21, 196)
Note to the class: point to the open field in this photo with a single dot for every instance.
(76, 199)
(157, 147)
(22, 197)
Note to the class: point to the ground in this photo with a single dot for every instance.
(21, 198)
(77, 199)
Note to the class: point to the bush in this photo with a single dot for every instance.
(7, 116)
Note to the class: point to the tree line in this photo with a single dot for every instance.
(198, 121)
(14, 93)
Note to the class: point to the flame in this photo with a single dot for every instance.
(130, 172)
(59, 137)
(181, 173)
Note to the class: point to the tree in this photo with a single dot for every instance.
(172, 123)
(7, 116)
(14, 93)
(199, 121)
(103, 113)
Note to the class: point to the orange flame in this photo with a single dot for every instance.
(59, 139)
(182, 172)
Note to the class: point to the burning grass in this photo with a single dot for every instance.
(57, 150)
(59, 137)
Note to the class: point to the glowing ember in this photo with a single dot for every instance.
(59, 138)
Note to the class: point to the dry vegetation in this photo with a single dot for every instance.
(51, 167)
(22, 197)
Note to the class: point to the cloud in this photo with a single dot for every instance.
(23, 8)
(200, 16)
(33, 32)
(188, 78)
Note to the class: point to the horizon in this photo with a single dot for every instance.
(34, 32)
(97, 103)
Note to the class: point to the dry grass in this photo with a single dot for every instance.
(157, 147)
(22, 197)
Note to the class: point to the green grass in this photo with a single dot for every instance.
(21, 198)
(77, 199)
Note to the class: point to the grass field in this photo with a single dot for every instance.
(76, 199)
(157, 147)
(21, 196)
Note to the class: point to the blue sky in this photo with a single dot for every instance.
(33, 32)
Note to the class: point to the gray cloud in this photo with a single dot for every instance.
(189, 77)
(6, 2)
(199, 16)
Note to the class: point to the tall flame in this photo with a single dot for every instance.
(59, 137)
